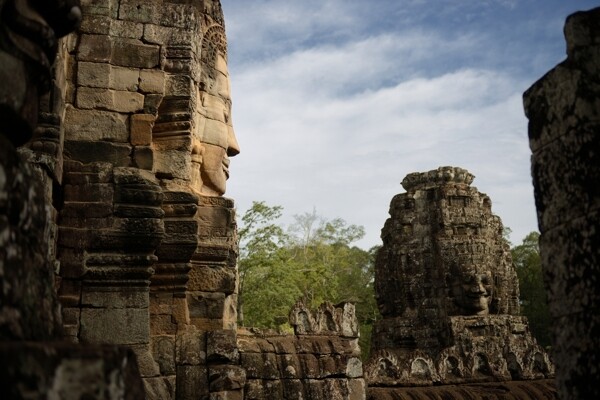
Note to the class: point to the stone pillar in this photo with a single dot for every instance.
(212, 295)
(111, 221)
(563, 109)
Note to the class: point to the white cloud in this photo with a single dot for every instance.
(308, 145)
(335, 101)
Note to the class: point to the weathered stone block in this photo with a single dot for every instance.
(212, 278)
(98, 326)
(112, 298)
(165, 35)
(141, 129)
(179, 15)
(226, 377)
(260, 366)
(126, 102)
(230, 312)
(97, 48)
(173, 164)
(284, 344)
(290, 367)
(354, 367)
(335, 389)
(309, 366)
(94, 98)
(139, 11)
(78, 173)
(253, 344)
(72, 238)
(215, 216)
(126, 29)
(192, 382)
(95, 24)
(93, 125)
(90, 152)
(163, 325)
(101, 192)
(122, 78)
(315, 389)
(134, 53)
(357, 389)
(190, 347)
(152, 81)
(76, 211)
(143, 157)
(179, 85)
(221, 345)
(111, 100)
(293, 389)
(316, 345)
(93, 74)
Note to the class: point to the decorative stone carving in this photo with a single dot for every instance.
(321, 361)
(563, 109)
(326, 320)
(447, 291)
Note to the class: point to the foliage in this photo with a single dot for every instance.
(526, 257)
(314, 259)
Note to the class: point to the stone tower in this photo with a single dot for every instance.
(146, 242)
(563, 108)
(447, 291)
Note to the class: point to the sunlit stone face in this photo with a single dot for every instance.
(218, 141)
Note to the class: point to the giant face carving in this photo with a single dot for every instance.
(471, 289)
(218, 141)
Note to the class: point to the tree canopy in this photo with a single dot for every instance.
(313, 259)
(526, 258)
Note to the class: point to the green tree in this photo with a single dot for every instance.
(526, 258)
(314, 260)
(264, 285)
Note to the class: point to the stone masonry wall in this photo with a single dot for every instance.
(563, 109)
(321, 361)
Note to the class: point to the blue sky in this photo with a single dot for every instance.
(335, 101)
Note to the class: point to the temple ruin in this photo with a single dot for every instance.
(118, 249)
(563, 111)
(447, 291)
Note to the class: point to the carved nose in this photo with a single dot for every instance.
(477, 288)
(233, 147)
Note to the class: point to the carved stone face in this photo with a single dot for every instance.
(217, 135)
(471, 289)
